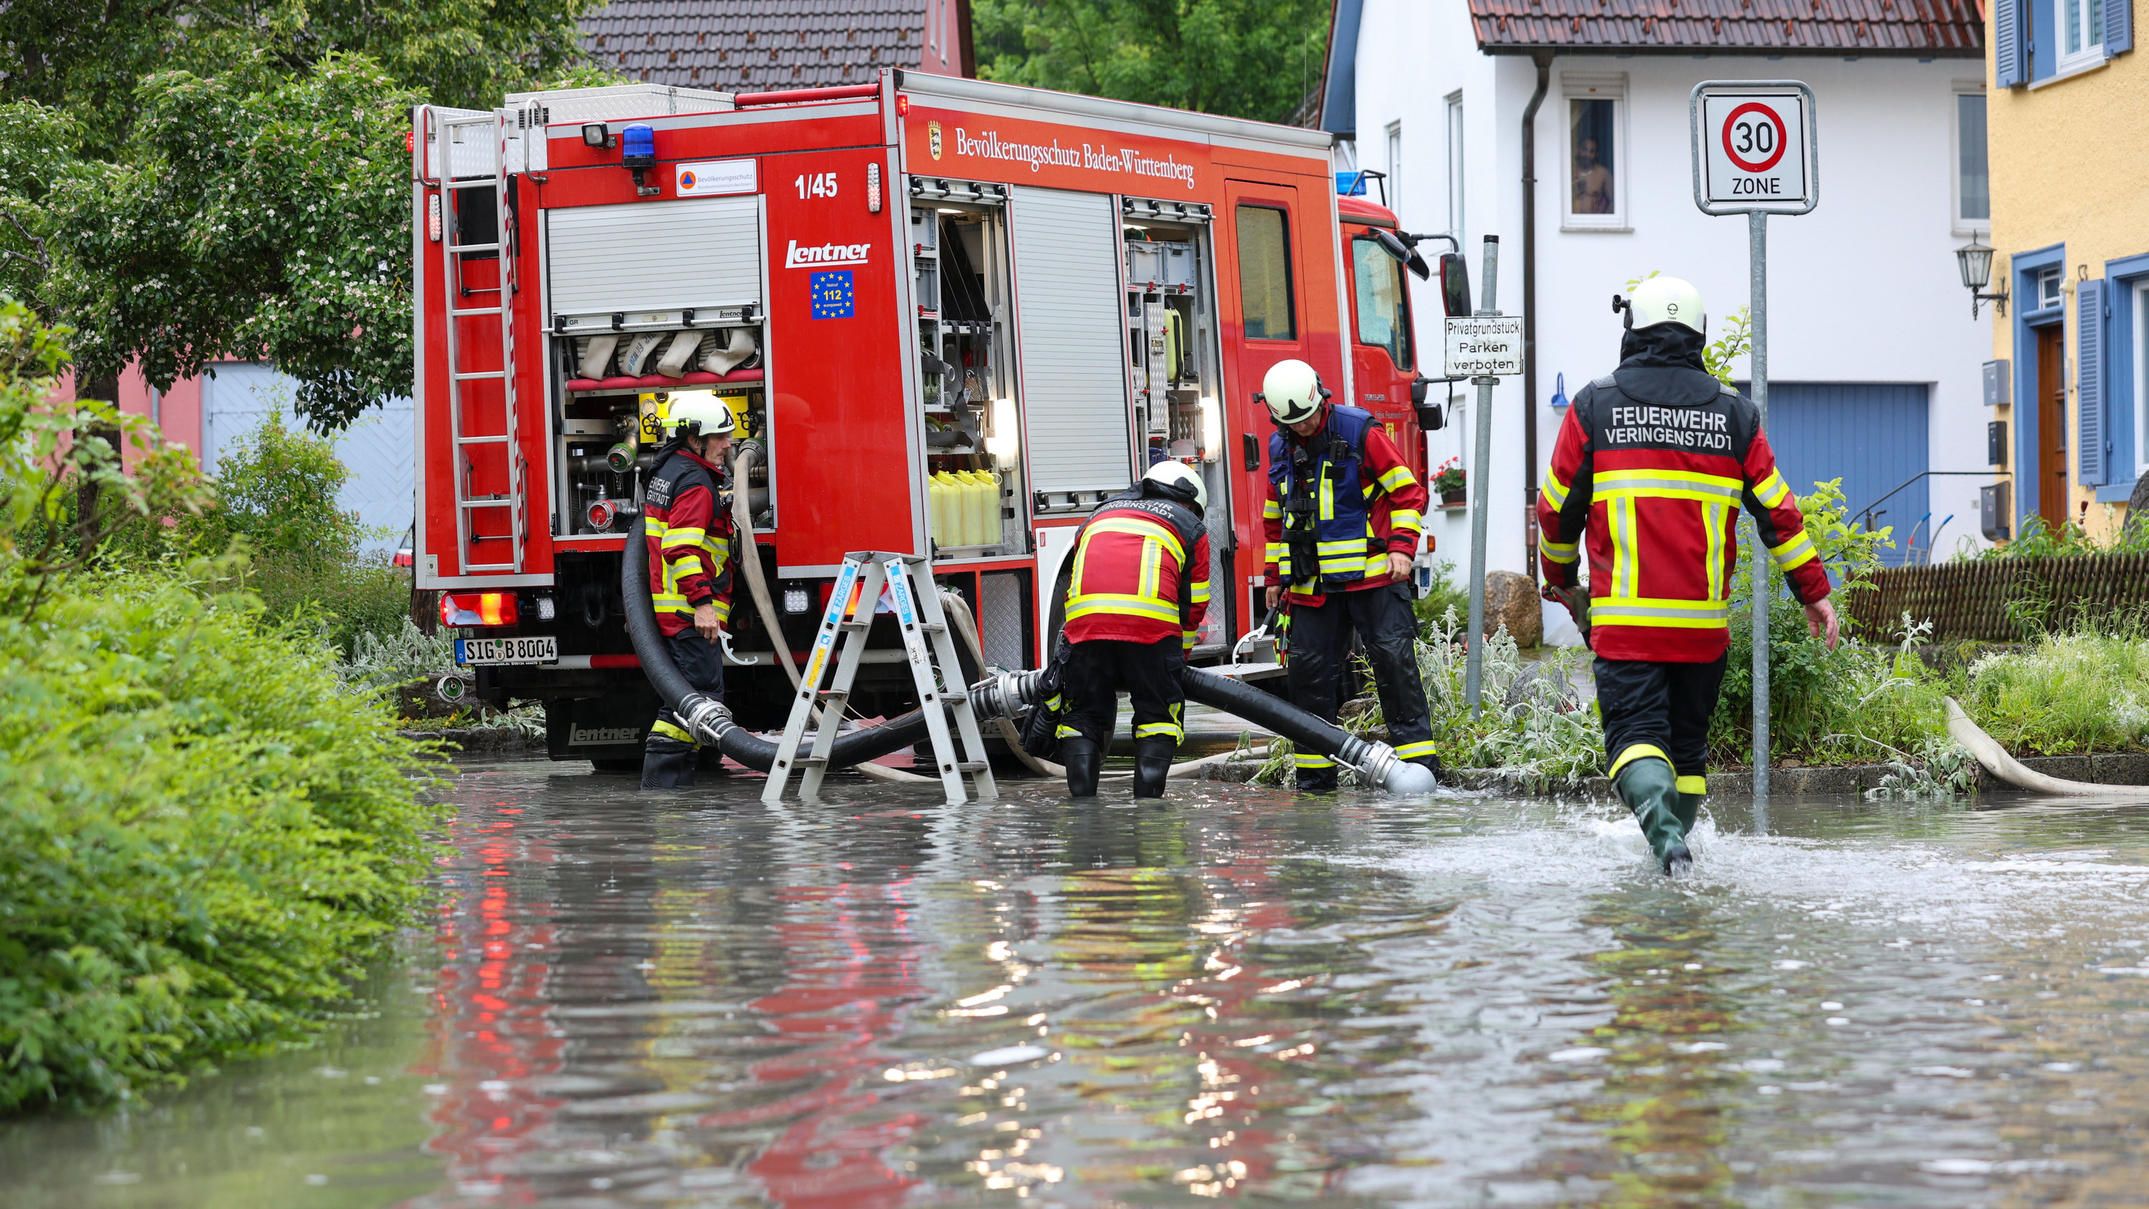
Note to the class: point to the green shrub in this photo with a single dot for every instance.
(2072, 693)
(201, 832)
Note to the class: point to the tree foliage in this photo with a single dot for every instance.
(1244, 58)
(191, 180)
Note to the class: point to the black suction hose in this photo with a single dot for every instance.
(1375, 760)
(707, 717)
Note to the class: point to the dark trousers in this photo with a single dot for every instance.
(1658, 709)
(668, 754)
(1320, 649)
(1098, 670)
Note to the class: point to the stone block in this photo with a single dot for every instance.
(1511, 600)
(2066, 768)
(2120, 768)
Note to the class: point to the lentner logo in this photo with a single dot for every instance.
(819, 255)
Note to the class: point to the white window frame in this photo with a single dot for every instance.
(2056, 276)
(1392, 142)
(1455, 163)
(2140, 335)
(1598, 86)
(1963, 225)
(2091, 53)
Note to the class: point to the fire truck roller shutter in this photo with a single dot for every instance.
(653, 256)
(1066, 249)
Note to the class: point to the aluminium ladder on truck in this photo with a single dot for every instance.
(931, 654)
(470, 439)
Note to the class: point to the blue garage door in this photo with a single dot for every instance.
(1873, 436)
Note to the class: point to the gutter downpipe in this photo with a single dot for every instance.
(1543, 60)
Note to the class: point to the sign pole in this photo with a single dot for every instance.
(1757, 237)
(1480, 471)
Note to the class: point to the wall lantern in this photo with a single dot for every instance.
(1975, 261)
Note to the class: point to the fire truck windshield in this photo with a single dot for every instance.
(1383, 317)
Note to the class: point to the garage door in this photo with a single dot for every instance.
(1874, 436)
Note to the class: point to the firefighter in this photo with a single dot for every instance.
(690, 538)
(1653, 462)
(1137, 590)
(1342, 517)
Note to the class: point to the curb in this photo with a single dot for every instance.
(491, 741)
(2100, 768)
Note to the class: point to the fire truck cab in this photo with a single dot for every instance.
(955, 315)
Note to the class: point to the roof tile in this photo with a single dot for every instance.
(750, 45)
(1924, 28)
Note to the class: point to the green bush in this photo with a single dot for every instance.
(2072, 693)
(200, 832)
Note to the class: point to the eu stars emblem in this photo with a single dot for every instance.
(833, 296)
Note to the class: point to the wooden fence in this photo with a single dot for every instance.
(2004, 599)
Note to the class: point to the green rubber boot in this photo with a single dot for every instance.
(1692, 791)
(1648, 788)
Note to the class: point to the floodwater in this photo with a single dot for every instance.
(698, 1000)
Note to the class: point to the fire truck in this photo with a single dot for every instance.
(953, 316)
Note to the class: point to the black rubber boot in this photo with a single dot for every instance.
(1084, 765)
(668, 763)
(1647, 787)
(1152, 763)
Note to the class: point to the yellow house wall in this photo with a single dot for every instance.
(2070, 164)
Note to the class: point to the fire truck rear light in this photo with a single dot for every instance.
(478, 609)
(795, 600)
(873, 188)
(902, 107)
(432, 218)
(594, 135)
(546, 609)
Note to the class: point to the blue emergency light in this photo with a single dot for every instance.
(638, 147)
(1350, 184)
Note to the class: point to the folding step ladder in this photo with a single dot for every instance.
(933, 668)
(472, 440)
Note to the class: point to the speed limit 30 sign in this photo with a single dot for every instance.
(1753, 147)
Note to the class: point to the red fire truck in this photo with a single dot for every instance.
(954, 314)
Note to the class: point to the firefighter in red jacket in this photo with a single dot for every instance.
(1653, 463)
(1137, 590)
(690, 555)
(1342, 519)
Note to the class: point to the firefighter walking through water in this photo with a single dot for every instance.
(1137, 590)
(1342, 519)
(1652, 465)
(690, 554)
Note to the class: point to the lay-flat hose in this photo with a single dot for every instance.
(706, 717)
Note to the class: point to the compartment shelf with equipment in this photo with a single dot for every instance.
(973, 442)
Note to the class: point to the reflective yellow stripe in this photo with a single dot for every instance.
(1637, 751)
(1397, 479)
(652, 527)
(1303, 760)
(1278, 551)
(1412, 751)
(1065, 731)
(1559, 552)
(1117, 602)
(1693, 785)
(1716, 518)
(680, 568)
(1152, 564)
(671, 731)
(1771, 490)
(723, 610)
(1796, 552)
(1658, 611)
(1406, 518)
(1555, 491)
(670, 602)
(684, 537)
(1376, 564)
(1272, 509)
(1668, 485)
(1624, 557)
(1187, 638)
(1200, 594)
(1342, 545)
(1328, 498)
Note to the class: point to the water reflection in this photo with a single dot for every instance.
(877, 1002)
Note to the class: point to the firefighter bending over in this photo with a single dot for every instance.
(1654, 461)
(1136, 593)
(1343, 517)
(690, 552)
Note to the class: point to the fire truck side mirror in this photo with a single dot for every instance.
(1454, 284)
(1403, 253)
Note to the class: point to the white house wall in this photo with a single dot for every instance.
(1864, 289)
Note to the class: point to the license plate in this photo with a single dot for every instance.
(493, 652)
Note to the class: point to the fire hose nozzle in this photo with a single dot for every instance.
(1004, 695)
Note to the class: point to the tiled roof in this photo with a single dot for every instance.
(755, 45)
(1935, 28)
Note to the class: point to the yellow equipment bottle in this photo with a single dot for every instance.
(985, 521)
(941, 488)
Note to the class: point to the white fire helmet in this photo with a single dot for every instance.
(1667, 300)
(1178, 479)
(699, 413)
(1293, 391)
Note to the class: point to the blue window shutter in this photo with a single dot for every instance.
(2089, 381)
(2008, 27)
(2118, 26)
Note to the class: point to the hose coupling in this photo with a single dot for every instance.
(1376, 763)
(707, 718)
(1006, 694)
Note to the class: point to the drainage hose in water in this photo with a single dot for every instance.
(2009, 770)
(707, 717)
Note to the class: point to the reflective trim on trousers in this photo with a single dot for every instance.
(1637, 751)
(1693, 785)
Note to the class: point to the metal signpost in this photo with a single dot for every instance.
(1484, 348)
(1755, 154)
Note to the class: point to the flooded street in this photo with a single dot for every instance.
(697, 1000)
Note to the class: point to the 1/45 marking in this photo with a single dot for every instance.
(817, 184)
